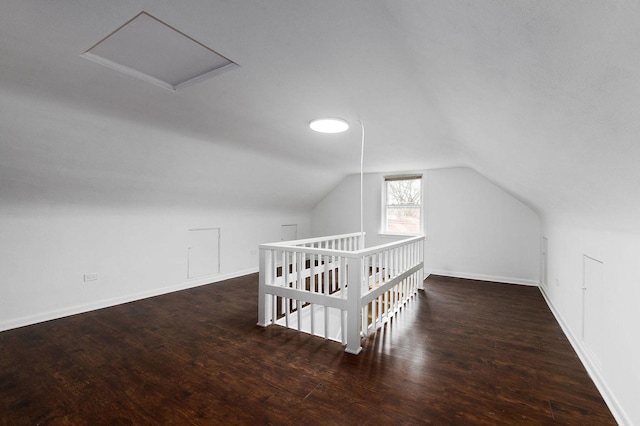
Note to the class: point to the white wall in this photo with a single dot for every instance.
(474, 229)
(617, 371)
(339, 211)
(137, 252)
(477, 230)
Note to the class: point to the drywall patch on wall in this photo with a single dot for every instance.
(203, 252)
(592, 293)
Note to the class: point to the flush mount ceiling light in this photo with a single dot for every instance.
(329, 125)
(148, 49)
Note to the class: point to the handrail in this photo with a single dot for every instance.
(308, 240)
(353, 254)
(387, 246)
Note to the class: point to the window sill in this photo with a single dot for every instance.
(396, 235)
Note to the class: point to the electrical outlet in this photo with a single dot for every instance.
(253, 252)
(91, 277)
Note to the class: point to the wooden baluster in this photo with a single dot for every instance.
(310, 307)
(285, 301)
(285, 275)
(421, 259)
(285, 268)
(344, 327)
(325, 286)
(377, 313)
(281, 256)
(364, 320)
(332, 281)
(312, 287)
(299, 258)
(400, 270)
(392, 255)
(383, 278)
(356, 277)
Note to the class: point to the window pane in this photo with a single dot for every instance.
(403, 219)
(403, 192)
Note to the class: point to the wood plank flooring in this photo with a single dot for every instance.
(464, 352)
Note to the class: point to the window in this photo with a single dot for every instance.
(402, 205)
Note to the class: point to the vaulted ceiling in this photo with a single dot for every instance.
(541, 97)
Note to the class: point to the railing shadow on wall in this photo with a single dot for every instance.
(333, 288)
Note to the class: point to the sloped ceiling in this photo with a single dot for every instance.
(542, 97)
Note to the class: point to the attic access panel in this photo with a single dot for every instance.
(149, 49)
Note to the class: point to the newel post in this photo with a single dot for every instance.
(264, 308)
(354, 289)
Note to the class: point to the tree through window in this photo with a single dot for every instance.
(403, 204)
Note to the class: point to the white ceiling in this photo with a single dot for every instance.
(542, 97)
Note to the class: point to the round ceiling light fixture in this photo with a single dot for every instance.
(329, 125)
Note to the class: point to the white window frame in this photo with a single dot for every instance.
(384, 206)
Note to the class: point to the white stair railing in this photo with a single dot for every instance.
(330, 287)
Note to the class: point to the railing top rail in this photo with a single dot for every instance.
(383, 247)
(296, 243)
(296, 246)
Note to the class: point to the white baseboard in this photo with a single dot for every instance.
(78, 309)
(591, 367)
(481, 277)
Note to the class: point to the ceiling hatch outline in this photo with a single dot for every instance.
(151, 50)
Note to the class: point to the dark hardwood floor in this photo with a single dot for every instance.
(464, 352)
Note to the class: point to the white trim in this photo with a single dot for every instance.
(296, 243)
(481, 277)
(594, 372)
(128, 71)
(206, 76)
(400, 234)
(79, 309)
(150, 79)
